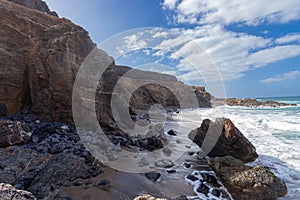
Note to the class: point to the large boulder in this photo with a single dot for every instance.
(230, 141)
(8, 192)
(13, 133)
(245, 182)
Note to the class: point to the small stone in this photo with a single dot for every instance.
(172, 171)
(167, 151)
(164, 163)
(187, 165)
(104, 184)
(154, 176)
(192, 178)
(203, 189)
(216, 192)
(171, 132)
(210, 179)
(191, 153)
(78, 183)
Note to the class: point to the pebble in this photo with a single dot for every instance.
(154, 176)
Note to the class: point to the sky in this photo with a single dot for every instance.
(251, 46)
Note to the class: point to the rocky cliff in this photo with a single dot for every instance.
(40, 55)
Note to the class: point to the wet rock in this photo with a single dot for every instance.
(153, 176)
(192, 178)
(187, 165)
(8, 192)
(167, 151)
(13, 133)
(78, 183)
(104, 184)
(216, 192)
(210, 179)
(245, 182)
(203, 189)
(230, 140)
(171, 171)
(171, 132)
(164, 163)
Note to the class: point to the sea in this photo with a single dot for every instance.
(275, 132)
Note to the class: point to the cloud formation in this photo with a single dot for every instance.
(232, 11)
(282, 77)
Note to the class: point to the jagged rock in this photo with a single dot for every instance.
(247, 102)
(147, 197)
(245, 182)
(8, 192)
(37, 5)
(13, 133)
(229, 142)
(39, 58)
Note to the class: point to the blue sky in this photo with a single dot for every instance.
(255, 45)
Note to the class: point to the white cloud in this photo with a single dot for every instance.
(282, 77)
(292, 37)
(214, 50)
(169, 4)
(232, 11)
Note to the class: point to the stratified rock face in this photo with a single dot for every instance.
(35, 4)
(231, 141)
(8, 192)
(39, 57)
(246, 182)
(13, 133)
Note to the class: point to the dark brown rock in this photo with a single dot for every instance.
(245, 182)
(8, 192)
(229, 142)
(40, 55)
(13, 133)
(3, 110)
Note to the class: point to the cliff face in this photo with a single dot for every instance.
(39, 57)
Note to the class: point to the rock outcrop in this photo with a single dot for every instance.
(245, 182)
(230, 140)
(8, 192)
(36, 5)
(39, 57)
(247, 102)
